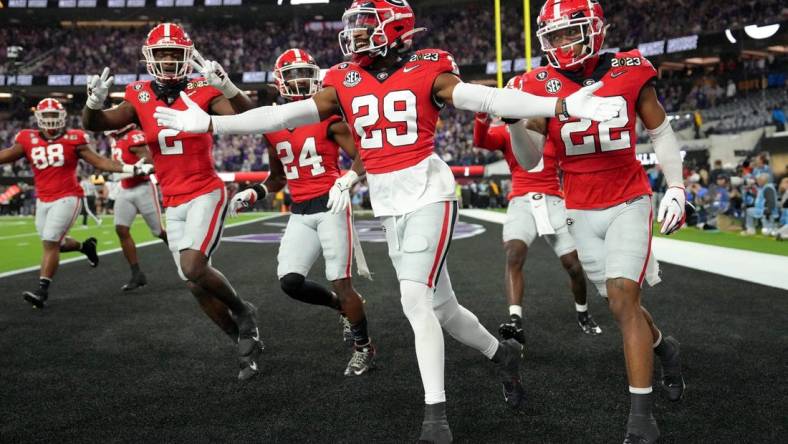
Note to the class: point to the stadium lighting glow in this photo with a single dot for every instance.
(761, 32)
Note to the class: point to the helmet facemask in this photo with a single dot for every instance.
(53, 120)
(168, 63)
(364, 32)
(559, 39)
(298, 80)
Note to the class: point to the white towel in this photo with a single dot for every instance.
(541, 213)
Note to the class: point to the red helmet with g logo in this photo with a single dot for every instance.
(296, 74)
(168, 36)
(50, 114)
(374, 27)
(563, 24)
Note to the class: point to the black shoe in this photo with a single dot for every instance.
(435, 427)
(138, 280)
(588, 324)
(509, 372)
(36, 298)
(513, 329)
(672, 379)
(641, 429)
(249, 345)
(89, 250)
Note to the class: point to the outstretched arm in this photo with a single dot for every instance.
(113, 166)
(12, 154)
(264, 119)
(108, 119)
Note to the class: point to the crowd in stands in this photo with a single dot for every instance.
(465, 31)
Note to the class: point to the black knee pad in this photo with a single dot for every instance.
(292, 283)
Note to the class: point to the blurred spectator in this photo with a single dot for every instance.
(765, 208)
(778, 118)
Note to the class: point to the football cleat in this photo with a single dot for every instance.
(672, 379)
(138, 280)
(435, 427)
(641, 429)
(36, 298)
(513, 329)
(587, 324)
(89, 249)
(347, 333)
(249, 345)
(509, 372)
(362, 361)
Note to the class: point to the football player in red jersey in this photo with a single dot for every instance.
(607, 193)
(391, 96)
(306, 160)
(137, 195)
(53, 152)
(193, 194)
(536, 208)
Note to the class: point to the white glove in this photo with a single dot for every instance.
(339, 195)
(671, 210)
(138, 169)
(585, 105)
(215, 75)
(192, 120)
(243, 200)
(98, 89)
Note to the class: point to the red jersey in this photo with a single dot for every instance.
(122, 153)
(309, 157)
(543, 178)
(183, 161)
(597, 159)
(54, 162)
(393, 113)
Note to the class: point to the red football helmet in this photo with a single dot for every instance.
(296, 74)
(566, 23)
(373, 27)
(168, 36)
(50, 115)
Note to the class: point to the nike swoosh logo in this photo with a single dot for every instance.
(617, 74)
(410, 68)
(253, 366)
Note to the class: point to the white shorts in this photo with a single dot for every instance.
(615, 242)
(307, 235)
(142, 199)
(521, 222)
(54, 219)
(419, 241)
(198, 223)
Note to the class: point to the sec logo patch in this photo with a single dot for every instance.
(352, 79)
(553, 86)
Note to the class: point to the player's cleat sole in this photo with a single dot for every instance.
(347, 332)
(89, 250)
(362, 361)
(641, 429)
(587, 324)
(512, 330)
(35, 298)
(672, 378)
(509, 372)
(138, 280)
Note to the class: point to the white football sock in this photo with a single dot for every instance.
(463, 325)
(516, 310)
(416, 299)
(581, 308)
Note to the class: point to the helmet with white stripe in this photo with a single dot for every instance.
(50, 115)
(168, 50)
(296, 74)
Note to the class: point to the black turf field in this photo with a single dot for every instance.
(101, 366)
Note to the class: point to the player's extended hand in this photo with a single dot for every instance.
(585, 105)
(242, 200)
(191, 120)
(214, 74)
(98, 89)
(142, 169)
(339, 195)
(671, 210)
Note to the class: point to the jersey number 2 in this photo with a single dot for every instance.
(169, 149)
(589, 143)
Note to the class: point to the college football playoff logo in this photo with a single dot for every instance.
(352, 79)
(553, 86)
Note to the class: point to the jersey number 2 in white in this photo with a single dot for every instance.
(588, 143)
(169, 149)
(373, 139)
(308, 157)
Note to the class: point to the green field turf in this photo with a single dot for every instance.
(757, 243)
(21, 246)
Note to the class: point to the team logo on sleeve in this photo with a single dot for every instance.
(542, 75)
(352, 79)
(343, 65)
(137, 86)
(143, 97)
(382, 76)
(553, 86)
